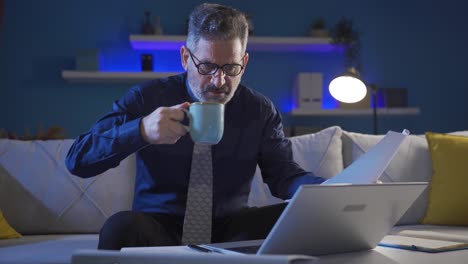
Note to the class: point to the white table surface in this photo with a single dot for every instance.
(378, 255)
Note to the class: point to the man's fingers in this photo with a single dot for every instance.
(184, 105)
(164, 125)
(176, 113)
(177, 128)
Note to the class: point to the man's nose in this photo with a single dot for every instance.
(219, 78)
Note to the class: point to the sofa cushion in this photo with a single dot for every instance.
(6, 231)
(39, 196)
(319, 153)
(45, 249)
(448, 198)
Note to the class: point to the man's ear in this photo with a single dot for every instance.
(184, 55)
(245, 60)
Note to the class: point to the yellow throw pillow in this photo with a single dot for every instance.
(6, 231)
(448, 195)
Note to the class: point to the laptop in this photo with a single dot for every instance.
(346, 213)
(330, 219)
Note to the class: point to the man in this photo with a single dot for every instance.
(148, 121)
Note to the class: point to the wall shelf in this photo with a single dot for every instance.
(112, 77)
(356, 112)
(303, 44)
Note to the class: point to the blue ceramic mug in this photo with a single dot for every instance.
(206, 122)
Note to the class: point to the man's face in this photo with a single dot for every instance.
(218, 87)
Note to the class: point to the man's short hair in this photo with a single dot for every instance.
(216, 22)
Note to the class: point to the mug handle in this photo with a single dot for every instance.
(189, 117)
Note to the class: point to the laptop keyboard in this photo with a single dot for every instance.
(246, 249)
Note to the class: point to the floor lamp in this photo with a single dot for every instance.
(350, 88)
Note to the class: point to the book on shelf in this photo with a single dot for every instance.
(425, 241)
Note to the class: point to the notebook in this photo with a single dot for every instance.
(425, 241)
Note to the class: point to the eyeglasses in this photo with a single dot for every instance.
(207, 68)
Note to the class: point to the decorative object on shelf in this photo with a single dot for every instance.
(146, 62)
(307, 90)
(87, 60)
(147, 27)
(54, 132)
(158, 30)
(318, 29)
(343, 33)
(350, 88)
(392, 97)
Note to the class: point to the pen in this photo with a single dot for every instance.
(199, 248)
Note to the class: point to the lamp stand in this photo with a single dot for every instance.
(373, 89)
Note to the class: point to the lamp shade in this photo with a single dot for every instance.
(348, 87)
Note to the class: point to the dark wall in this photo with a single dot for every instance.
(419, 45)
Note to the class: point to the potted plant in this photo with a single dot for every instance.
(344, 34)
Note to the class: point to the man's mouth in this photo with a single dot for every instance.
(217, 91)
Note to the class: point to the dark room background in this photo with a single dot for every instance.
(418, 45)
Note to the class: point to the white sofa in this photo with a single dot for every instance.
(58, 213)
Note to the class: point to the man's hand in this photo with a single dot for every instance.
(163, 125)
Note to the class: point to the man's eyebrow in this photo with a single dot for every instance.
(205, 61)
(209, 62)
(232, 62)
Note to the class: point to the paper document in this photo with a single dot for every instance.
(426, 241)
(370, 166)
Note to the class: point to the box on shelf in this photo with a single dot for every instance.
(392, 97)
(147, 63)
(307, 90)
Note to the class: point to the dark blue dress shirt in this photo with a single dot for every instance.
(253, 134)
